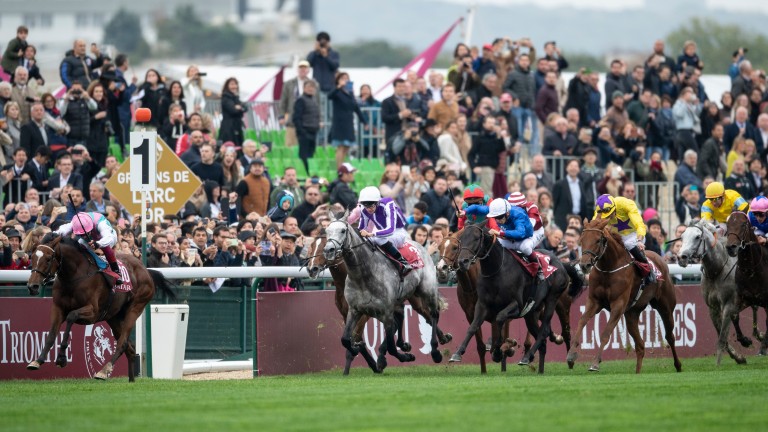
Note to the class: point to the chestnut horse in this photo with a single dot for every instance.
(83, 295)
(751, 269)
(614, 284)
(316, 264)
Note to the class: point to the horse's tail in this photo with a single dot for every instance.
(577, 284)
(163, 284)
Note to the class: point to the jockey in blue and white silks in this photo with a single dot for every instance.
(388, 222)
(757, 217)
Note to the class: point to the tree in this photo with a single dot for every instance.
(577, 61)
(189, 37)
(124, 32)
(717, 42)
(375, 53)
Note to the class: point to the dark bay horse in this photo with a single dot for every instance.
(718, 283)
(316, 264)
(506, 291)
(751, 267)
(82, 295)
(613, 285)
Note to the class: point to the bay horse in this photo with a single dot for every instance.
(83, 295)
(373, 287)
(316, 264)
(613, 285)
(506, 291)
(718, 283)
(751, 269)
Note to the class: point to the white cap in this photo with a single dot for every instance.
(498, 207)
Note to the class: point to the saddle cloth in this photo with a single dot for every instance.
(127, 286)
(411, 254)
(645, 269)
(546, 268)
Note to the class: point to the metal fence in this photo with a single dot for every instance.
(16, 188)
(660, 196)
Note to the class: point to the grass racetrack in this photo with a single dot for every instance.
(420, 398)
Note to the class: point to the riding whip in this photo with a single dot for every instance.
(77, 215)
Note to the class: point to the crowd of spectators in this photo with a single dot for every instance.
(499, 108)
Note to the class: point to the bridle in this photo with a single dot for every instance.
(741, 236)
(476, 253)
(699, 245)
(602, 244)
(319, 253)
(343, 245)
(48, 277)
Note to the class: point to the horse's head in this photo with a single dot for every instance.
(337, 235)
(472, 244)
(449, 252)
(738, 232)
(594, 242)
(696, 238)
(315, 261)
(45, 263)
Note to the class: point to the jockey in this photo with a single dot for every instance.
(101, 233)
(388, 222)
(514, 227)
(626, 220)
(518, 200)
(757, 212)
(475, 208)
(721, 203)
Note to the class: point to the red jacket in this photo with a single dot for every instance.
(534, 215)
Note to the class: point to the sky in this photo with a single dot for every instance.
(616, 5)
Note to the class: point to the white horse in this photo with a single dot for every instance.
(374, 288)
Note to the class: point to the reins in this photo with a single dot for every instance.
(597, 256)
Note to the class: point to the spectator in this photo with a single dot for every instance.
(687, 111)
(739, 182)
(755, 175)
(35, 133)
(126, 92)
(175, 96)
(158, 256)
(413, 103)
(293, 89)
(309, 206)
(521, 82)
(560, 143)
(368, 104)
(590, 175)
(742, 84)
(249, 151)
(538, 168)
(342, 123)
(392, 184)
(637, 109)
(306, 123)
(231, 128)
(686, 173)
(14, 51)
(339, 189)
(711, 160)
(254, 190)
(463, 77)
(438, 200)
(174, 126)
(689, 57)
(154, 92)
(656, 236)
(761, 134)
(22, 94)
(194, 95)
(324, 61)
(97, 203)
(419, 234)
(100, 128)
(191, 156)
(552, 52)
(741, 127)
(547, 99)
(76, 108)
(13, 258)
(446, 110)
(419, 215)
(14, 178)
(231, 168)
(616, 117)
(11, 124)
(290, 184)
(578, 95)
(284, 203)
(77, 67)
(64, 175)
(616, 81)
(208, 168)
(659, 129)
(72, 198)
(553, 240)
(569, 196)
(484, 155)
(394, 115)
(37, 168)
(450, 151)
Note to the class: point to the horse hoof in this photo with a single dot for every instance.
(510, 352)
(381, 364)
(488, 347)
(33, 366)
(456, 358)
(740, 360)
(408, 357)
(101, 376)
(61, 361)
(571, 359)
(570, 365)
(594, 368)
(447, 337)
(761, 353)
(496, 356)
(406, 347)
(745, 342)
(559, 340)
(437, 357)
(524, 362)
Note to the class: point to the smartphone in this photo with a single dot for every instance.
(349, 86)
(265, 245)
(272, 231)
(202, 74)
(231, 243)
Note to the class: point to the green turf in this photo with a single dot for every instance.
(424, 398)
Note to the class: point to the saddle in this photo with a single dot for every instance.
(111, 276)
(644, 269)
(410, 253)
(531, 267)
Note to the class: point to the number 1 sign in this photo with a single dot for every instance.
(143, 161)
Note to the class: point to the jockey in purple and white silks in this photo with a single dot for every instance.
(388, 222)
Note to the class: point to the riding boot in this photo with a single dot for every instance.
(115, 268)
(109, 254)
(639, 255)
(389, 248)
(539, 272)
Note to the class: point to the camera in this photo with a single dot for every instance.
(315, 180)
(202, 74)
(77, 151)
(108, 128)
(29, 99)
(77, 92)
(231, 243)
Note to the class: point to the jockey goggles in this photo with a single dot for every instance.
(369, 204)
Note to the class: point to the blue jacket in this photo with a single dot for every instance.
(324, 68)
(762, 227)
(518, 226)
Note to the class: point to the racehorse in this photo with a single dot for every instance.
(82, 295)
(316, 263)
(507, 291)
(614, 285)
(718, 283)
(373, 287)
(751, 272)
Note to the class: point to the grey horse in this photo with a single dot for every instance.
(374, 288)
(718, 283)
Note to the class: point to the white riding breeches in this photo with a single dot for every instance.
(397, 238)
(629, 240)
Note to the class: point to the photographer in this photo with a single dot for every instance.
(76, 108)
(408, 147)
(100, 126)
(325, 62)
(14, 51)
(464, 78)
(13, 257)
(194, 96)
(284, 255)
(484, 155)
(175, 125)
(232, 110)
